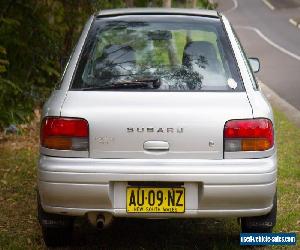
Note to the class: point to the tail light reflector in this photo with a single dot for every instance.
(248, 135)
(64, 133)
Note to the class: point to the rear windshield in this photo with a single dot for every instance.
(157, 53)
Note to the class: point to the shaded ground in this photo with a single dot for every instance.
(160, 234)
(279, 70)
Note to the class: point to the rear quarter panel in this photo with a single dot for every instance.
(260, 105)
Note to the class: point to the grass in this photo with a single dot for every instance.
(19, 228)
(288, 142)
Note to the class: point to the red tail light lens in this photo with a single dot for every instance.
(64, 133)
(248, 135)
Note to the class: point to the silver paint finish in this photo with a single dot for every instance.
(217, 184)
(202, 116)
(201, 198)
(260, 105)
(229, 187)
(63, 168)
(187, 214)
(53, 105)
(63, 153)
(156, 145)
(163, 11)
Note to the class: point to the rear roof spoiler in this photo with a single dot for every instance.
(158, 11)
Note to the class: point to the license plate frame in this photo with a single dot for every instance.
(172, 200)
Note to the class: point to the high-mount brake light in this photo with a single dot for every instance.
(248, 135)
(64, 133)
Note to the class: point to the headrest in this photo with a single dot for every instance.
(199, 51)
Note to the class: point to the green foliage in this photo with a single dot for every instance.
(207, 4)
(34, 35)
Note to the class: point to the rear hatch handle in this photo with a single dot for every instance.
(156, 145)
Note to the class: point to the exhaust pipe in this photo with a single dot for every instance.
(100, 222)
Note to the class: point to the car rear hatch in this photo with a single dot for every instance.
(174, 125)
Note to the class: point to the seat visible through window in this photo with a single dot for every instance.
(201, 53)
(201, 57)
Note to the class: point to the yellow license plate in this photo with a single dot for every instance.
(155, 200)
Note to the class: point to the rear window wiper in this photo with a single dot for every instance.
(140, 83)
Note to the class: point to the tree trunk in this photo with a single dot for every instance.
(129, 3)
(194, 3)
(167, 3)
(172, 51)
(191, 3)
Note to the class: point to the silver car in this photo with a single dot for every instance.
(158, 115)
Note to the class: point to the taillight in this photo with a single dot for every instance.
(248, 135)
(65, 133)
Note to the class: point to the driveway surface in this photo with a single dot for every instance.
(268, 34)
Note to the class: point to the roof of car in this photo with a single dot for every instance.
(166, 11)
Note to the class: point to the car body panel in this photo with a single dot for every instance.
(159, 11)
(189, 125)
(260, 105)
(231, 187)
(53, 105)
(217, 183)
(72, 63)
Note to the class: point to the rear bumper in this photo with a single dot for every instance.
(214, 188)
